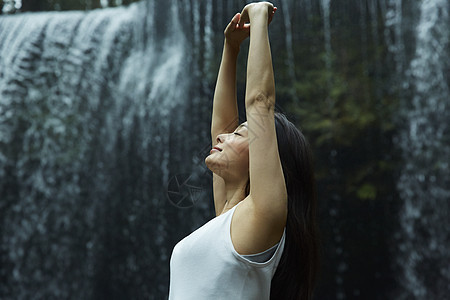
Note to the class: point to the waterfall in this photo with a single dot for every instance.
(376, 41)
(393, 20)
(325, 5)
(424, 183)
(290, 61)
(104, 127)
(90, 103)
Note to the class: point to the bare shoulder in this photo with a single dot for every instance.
(252, 231)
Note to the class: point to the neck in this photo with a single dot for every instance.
(235, 192)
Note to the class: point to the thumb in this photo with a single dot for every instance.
(243, 17)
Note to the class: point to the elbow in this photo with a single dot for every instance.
(261, 98)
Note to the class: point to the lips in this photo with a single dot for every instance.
(215, 149)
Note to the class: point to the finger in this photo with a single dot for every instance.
(243, 17)
(236, 18)
(246, 28)
(233, 23)
(272, 14)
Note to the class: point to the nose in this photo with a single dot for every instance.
(220, 138)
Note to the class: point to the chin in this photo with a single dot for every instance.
(210, 164)
(215, 165)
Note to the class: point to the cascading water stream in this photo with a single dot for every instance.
(208, 45)
(290, 61)
(88, 110)
(325, 5)
(424, 183)
(393, 21)
(373, 11)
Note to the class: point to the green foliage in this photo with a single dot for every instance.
(341, 101)
(367, 192)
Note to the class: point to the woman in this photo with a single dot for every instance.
(262, 243)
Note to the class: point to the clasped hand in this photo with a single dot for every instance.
(239, 27)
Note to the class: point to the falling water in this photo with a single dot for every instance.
(82, 94)
(424, 183)
(208, 45)
(393, 21)
(373, 11)
(325, 5)
(290, 61)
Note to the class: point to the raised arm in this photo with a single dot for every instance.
(225, 111)
(267, 189)
(263, 222)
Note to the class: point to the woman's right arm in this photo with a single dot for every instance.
(225, 111)
(225, 116)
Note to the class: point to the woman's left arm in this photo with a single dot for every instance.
(267, 189)
(267, 210)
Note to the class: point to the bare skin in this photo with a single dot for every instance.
(249, 151)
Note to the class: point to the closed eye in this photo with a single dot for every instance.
(237, 133)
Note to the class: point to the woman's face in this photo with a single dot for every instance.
(229, 157)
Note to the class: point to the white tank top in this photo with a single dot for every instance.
(205, 266)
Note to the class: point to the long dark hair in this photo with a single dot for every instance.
(296, 273)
